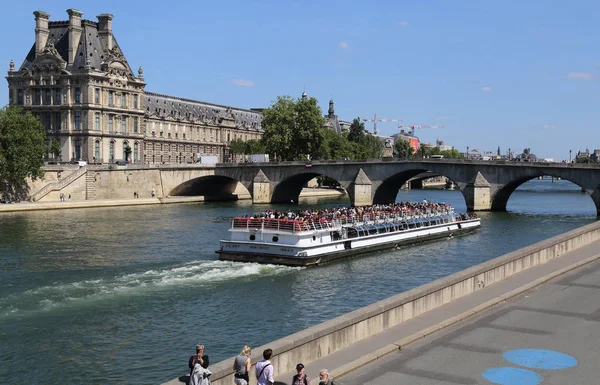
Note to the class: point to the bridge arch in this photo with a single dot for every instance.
(501, 197)
(387, 191)
(212, 187)
(289, 189)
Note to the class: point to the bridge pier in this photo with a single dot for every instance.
(261, 188)
(360, 190)
(596, 198)
(477, 194)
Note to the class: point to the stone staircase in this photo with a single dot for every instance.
(57, 186)
(90, 186)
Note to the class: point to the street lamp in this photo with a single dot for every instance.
(467, 152)
(570, 155)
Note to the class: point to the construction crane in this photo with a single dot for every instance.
(411, 129)
(375, 120)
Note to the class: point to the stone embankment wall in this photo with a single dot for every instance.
(341, 332)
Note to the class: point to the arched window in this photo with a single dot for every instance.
(97, 150)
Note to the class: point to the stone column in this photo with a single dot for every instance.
(477, 194)
(360, 190)
(261, 188)
(596, 199)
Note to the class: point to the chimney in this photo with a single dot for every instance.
(41, 30)
(105, 30)
(74, 32)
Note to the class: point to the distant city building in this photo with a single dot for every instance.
(443, 147)
(526, 156)
(77, 81)
(409, 137)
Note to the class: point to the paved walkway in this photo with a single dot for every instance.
(448, 358)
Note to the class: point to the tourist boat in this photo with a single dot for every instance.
(297, 242)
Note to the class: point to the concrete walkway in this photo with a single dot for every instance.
(374, 348)
(546, 335)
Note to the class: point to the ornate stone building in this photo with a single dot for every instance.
(77, 81)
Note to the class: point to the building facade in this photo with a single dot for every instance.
(77, 81)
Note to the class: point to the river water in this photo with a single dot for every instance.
(122, 295)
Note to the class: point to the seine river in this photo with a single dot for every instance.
(123, 295)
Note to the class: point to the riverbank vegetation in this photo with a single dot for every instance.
(22, 150)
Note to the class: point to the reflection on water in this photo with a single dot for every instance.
(123, 294)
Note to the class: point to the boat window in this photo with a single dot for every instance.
(275, 238)
(252, 237)
(314, 238)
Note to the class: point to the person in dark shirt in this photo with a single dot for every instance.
(200, 357)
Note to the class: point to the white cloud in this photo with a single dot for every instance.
(442, 118)
(403, 23)
(549, 126)
(343, 44)
(242, 82)
(487, 89)
(580, 75)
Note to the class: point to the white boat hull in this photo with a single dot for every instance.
(293, 255)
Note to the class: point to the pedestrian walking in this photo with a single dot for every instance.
(324, 378)
(153, 193)
(241, 366)
(264, 369)
(301, 378)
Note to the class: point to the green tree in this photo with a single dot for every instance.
(335, 146)
(278, 123)
(22, 150)
(584, 159)
(403, 149)
(452, 154)
(55, 150)
(372, 147)
(293, 129)
(237, 147)
(254, 146)
(310, 129)
(357, 131)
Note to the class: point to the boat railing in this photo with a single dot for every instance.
(332, 223)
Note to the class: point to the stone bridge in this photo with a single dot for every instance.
(485, 185)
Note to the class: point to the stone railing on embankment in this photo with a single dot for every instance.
(57, 186)
(341, 332)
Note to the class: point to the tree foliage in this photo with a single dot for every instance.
(403, 149)
(293, 129)
(252, 146)
(584, 159)
(55, 149)
(22, 150)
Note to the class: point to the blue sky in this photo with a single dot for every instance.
(512, 74)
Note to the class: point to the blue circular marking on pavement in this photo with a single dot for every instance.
(512, 376)
(540, 359)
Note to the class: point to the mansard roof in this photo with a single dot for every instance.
(162, 106)
(88, 47)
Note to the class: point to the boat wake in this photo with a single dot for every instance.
(195, 274)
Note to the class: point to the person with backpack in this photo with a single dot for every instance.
(301, 378)
(264, 369)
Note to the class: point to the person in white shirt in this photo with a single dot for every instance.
(264, 369)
